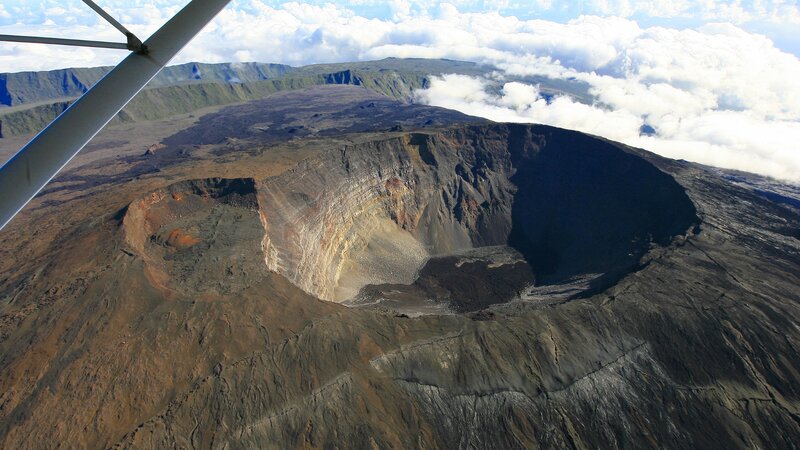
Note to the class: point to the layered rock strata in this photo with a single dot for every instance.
(373, 213)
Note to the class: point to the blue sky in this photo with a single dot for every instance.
(777, 19)
(718, 80)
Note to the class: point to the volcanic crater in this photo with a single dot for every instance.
(453, 220)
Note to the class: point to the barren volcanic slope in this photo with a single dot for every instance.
(331, 268)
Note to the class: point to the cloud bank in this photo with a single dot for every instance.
(711, 92)
(729, 139)
(715, 95)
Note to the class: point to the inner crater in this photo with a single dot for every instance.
(452, 220)
(199, 236)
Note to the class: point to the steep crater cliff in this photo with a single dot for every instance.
(547, 205)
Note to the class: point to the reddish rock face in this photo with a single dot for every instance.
(180, 239)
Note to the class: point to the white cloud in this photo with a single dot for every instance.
(518, 102)
(730, 139)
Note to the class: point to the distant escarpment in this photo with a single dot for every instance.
(35, 87)
(30, 100)
(34, 99)
(160, 102)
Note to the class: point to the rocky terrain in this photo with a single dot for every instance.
(329, 267)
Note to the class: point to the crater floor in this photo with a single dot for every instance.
(467, 281)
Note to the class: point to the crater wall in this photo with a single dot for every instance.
(373, 213)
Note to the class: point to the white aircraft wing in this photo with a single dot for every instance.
(28, 171)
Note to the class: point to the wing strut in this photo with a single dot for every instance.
(133, 43)
(28, 171)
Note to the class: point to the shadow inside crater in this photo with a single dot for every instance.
(583, 213)
(586, 206)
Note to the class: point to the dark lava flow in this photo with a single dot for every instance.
(454, 285)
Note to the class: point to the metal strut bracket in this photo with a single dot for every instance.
(133, 43)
